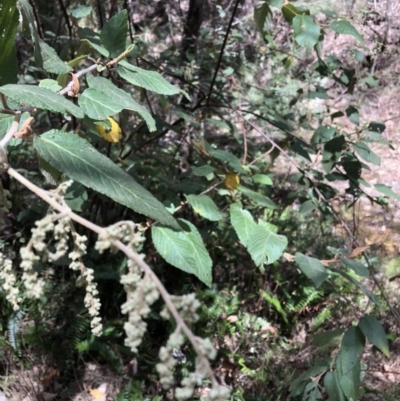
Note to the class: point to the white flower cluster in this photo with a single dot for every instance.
(92, 302)
(141, 293)
(187, 306)
(33, 283)
(124, 231)
(9, 279)
(167, 362)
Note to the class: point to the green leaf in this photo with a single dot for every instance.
(76, 196)
(29, 22)
(290, 11)
(225, 157)
(357, 267)
(184, 249)
(258, 198)
(323, 134)
(76, 158)
(51, 62)
(353, 115)
(52, 175)
(307, 207)
(265, 246)
(312, 268)
(243, 223)
(366, 153)
(262, 16)
(204, 206)
(306, 32)
(387, 191)
(332, 387)
(348, 361)
(119, 97)
(326, 337)
(345, 28)
(41, 98)
(50, 84)
(374, 332)
(8, 30)
(93, 40)
(202, 171)
(376, 126)
(97, 105)
(276, 3)
(114, 33)
(79, 11)
(150, 80)
(262, 179)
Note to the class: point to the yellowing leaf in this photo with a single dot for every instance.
(114, 134)
(231, 181)
(99, 394)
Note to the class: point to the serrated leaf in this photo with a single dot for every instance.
(357, 267)
(114, 33)
(366, 153)
(262, 16)
(8, 30)
(29, 22)
(76, 158)
(51, 62)
(306, 31)
(265, 246)
(120, 97)
(204, 206)
(41, 98)
(312, 268)
(150, 80)
(387, 191)
(52, 175)
(257, 197)
(97, 105)
(345, 28)
(50, 84)
(5, 123)
(243, 223)
(184, 249)
(374, 332)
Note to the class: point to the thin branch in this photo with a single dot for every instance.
(221, 54)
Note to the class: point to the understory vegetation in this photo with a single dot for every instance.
(195, 202)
